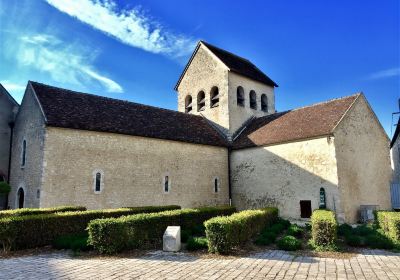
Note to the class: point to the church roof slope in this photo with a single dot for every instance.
(303, 123)
(240, 65)
(69, 109)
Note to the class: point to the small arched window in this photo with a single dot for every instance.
(23, 153)
(322, 198)
(201, 101)
(264, 103)
(20, 198)
(240, 96)
(214, 97)
(188, 104)
(253, 100)
(98, 181)
(216, 185)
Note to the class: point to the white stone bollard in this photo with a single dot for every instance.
(172, 239)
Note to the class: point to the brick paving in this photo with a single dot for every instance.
(370, 264)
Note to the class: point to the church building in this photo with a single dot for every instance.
(226, 144)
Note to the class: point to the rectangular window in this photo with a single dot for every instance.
(216, 183)
(98, 182)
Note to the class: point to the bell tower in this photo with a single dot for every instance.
(226, 89)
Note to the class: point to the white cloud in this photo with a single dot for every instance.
(10, 86)
(131, 27)
(65, 63)
(392, 72)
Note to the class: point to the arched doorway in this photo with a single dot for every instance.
(20, 198)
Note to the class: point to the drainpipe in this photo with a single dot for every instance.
(11, 124)
(229, 175)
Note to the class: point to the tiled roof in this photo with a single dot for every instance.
(69, 109)
(240, 65)
(308, 122)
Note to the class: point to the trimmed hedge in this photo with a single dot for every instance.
(146, 230)
(389, 222)
(323, 228)
(22, 232)
(225, 234)
(37, 211)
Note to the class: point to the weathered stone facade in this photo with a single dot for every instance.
(282, 175)
(363, 160)
(352, 165)
(9, 109)
(133, 170)
(29, 126)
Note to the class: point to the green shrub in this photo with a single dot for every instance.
(289, 243)
(185, 235)
(74, 242)
(4, 187)
(378, 241)
(389, 222)
(198, 230)
(21, 232)
(146, 230)
(266, 238)
(285, 223)
(197, 243)
(277, 228)
(225, 234)
(345, 229)
(295, 230)
(324, 228)
(363, 230)
(37, 211)
(354, 240)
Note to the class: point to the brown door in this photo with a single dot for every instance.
(305, 208)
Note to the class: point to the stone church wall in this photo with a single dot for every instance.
(362, 151)
(29, 125)
(133, 170)
(282, 175)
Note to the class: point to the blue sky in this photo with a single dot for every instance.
(136, 50)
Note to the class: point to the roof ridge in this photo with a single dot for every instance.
(115, 99)
(231, 53)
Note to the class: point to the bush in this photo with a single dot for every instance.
(21, 232)
(73, 242)
(199, 230)
(37, 211)
(185, 235)
(225, 234)
(266, 238)
(289, 243)
(197, 243)
(363, 230)
(378, 241)
(389, 222)
(295, 230)
(277, 228)
(146, 230)
(4, 188)
(354, 240)
(285, 223)
(345, 229)
(324, 228)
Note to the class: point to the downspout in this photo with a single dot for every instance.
(11, 125)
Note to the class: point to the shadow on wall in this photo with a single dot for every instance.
(263, 178)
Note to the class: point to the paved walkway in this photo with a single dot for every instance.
(371, 264)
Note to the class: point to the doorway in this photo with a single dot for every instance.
(305, 208)
(20, 198)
